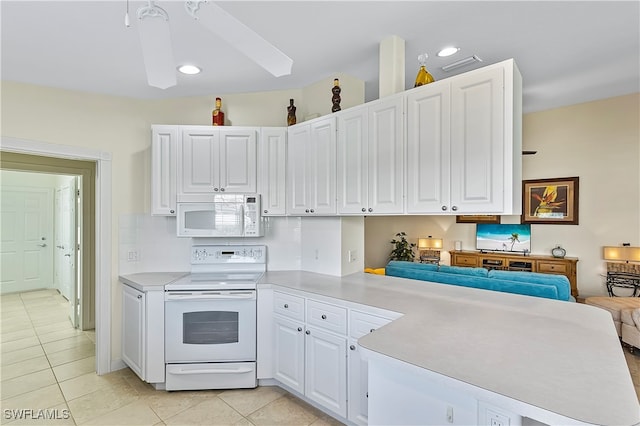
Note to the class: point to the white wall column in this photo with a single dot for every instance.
(392, 60)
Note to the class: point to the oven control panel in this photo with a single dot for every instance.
(213, 255)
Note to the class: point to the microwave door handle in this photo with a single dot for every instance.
(238, 370)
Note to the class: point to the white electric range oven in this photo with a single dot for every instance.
(210, 319)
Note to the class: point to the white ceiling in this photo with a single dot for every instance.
(568, 52)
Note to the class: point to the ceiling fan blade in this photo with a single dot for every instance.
(155, 38)
(241, 37)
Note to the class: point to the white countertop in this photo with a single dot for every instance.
(562, 357)
(151, 281)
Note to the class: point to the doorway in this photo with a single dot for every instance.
(70, 255)
(22, 154)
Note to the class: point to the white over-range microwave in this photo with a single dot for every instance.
(226, 215)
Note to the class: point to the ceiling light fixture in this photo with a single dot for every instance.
(448, 51)
(189, 69)
(461, 63)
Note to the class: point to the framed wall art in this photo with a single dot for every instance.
(552, 201)
(478, 218)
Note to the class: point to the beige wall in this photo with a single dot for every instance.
(597, 141)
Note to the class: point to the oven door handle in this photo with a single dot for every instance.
(238, 370)
(210, 296)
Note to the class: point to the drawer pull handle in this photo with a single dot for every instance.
(372, 330)
(286, 306)
(299, 328)
(352, 347)
(307, 332)
(323, 316)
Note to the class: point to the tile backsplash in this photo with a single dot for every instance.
(149, 244)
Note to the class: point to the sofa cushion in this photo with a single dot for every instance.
(475, 272)
(516, 287)
(560, 281)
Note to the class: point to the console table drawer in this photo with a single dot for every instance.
(553, 268)
(462, 260)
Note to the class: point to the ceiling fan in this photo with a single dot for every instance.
(155, 37)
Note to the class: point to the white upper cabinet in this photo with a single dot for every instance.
(353, 161)
(386, 156)
(214, 160)
(311, 158)
(272, 170)
(370, 158)
(164, 142)
(464, 142)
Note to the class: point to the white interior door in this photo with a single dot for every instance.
(66, 253)
(26, 224)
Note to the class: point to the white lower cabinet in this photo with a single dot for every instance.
(133, 329)
(310, 359)
(316, 351)
(358, 385)
(288, 356)
(326, 370)
(360, 324)
(142, 340)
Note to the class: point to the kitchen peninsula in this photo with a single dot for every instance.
(475, 353)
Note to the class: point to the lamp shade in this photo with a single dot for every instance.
(621, 253)
(429, 243)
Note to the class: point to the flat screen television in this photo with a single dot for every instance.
(503, 237)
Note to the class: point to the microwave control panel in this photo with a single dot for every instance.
(252, 216)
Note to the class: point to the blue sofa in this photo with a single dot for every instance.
(549, 286)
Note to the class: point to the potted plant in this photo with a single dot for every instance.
(403, 250)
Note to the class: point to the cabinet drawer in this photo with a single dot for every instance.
(466, 261)
(361, 323)
(329, 317)
(288, 305)
(553, 267)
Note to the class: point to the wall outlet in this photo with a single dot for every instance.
(133, 256)
(353, 256)
(497, 419)
(494, 416)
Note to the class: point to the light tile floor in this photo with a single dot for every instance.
(48, 367)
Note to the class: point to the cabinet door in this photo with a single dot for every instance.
(298, 164)
(133, 330)
(386, 156)
(358, 385)
(326, 370)
(477, 142)
(428, 155)
(272, 156)
(323, 170)
(164, 140)
(352, 161)
(197, 161)
(238, 160)
(288, 356)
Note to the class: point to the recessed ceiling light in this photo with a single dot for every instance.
(189, 69)
(448, 51)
